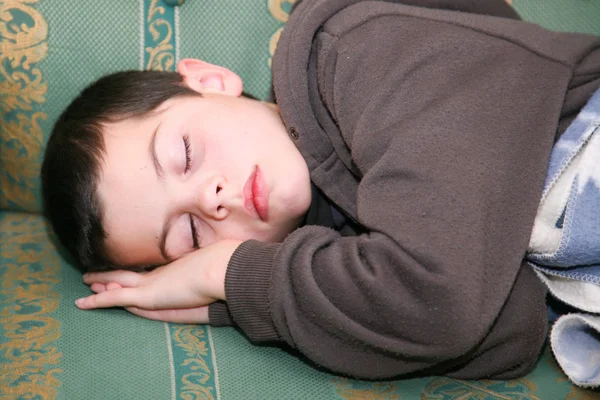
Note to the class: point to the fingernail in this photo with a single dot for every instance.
(78, 302)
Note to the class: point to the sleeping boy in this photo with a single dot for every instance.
(377, 219)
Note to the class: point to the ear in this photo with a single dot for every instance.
(204, 77)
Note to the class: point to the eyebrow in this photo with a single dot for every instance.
(154, 156)
(162, 243)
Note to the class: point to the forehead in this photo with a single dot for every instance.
(126, 185)
(126, 143)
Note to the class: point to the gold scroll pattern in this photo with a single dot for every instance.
(374, 391)
(280, 14)
(28, 275)
(23, 44)
(160, 54)
(439, 388)
(192, 339)
(448, 388)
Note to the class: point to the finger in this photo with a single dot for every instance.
(122, 277)
(101, 287)
(197, 315)
(98, 287)
(123, 297)
(113, 285)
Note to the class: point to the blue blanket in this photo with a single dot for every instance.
(565, 245)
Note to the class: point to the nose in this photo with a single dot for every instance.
(211, 198)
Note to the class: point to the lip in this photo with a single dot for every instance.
(256, 195)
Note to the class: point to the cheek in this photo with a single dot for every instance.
(295, 189)
(232, 159)
(179, 241)
(237, 230)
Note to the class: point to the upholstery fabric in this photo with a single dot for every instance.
(51, 49)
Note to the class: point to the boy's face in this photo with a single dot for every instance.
(242, 178)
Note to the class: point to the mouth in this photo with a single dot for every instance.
(256, 195)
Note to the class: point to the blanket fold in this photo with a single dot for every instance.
(564, 248)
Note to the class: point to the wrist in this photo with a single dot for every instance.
(219, 270)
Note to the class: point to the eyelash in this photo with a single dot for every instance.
(188, 159)
(194, 232)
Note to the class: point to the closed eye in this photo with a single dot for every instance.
(194, 230)
(188, 158)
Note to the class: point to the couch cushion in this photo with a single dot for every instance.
(49, 349)
(562, 15)
(52, 350)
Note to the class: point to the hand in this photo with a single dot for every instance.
(177, 292)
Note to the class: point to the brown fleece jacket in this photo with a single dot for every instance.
(431, 130)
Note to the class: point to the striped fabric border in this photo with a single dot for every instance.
(30, 359)
(193, 362)
(23, 87)
(157, 42)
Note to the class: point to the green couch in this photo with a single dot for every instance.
(49, 50)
